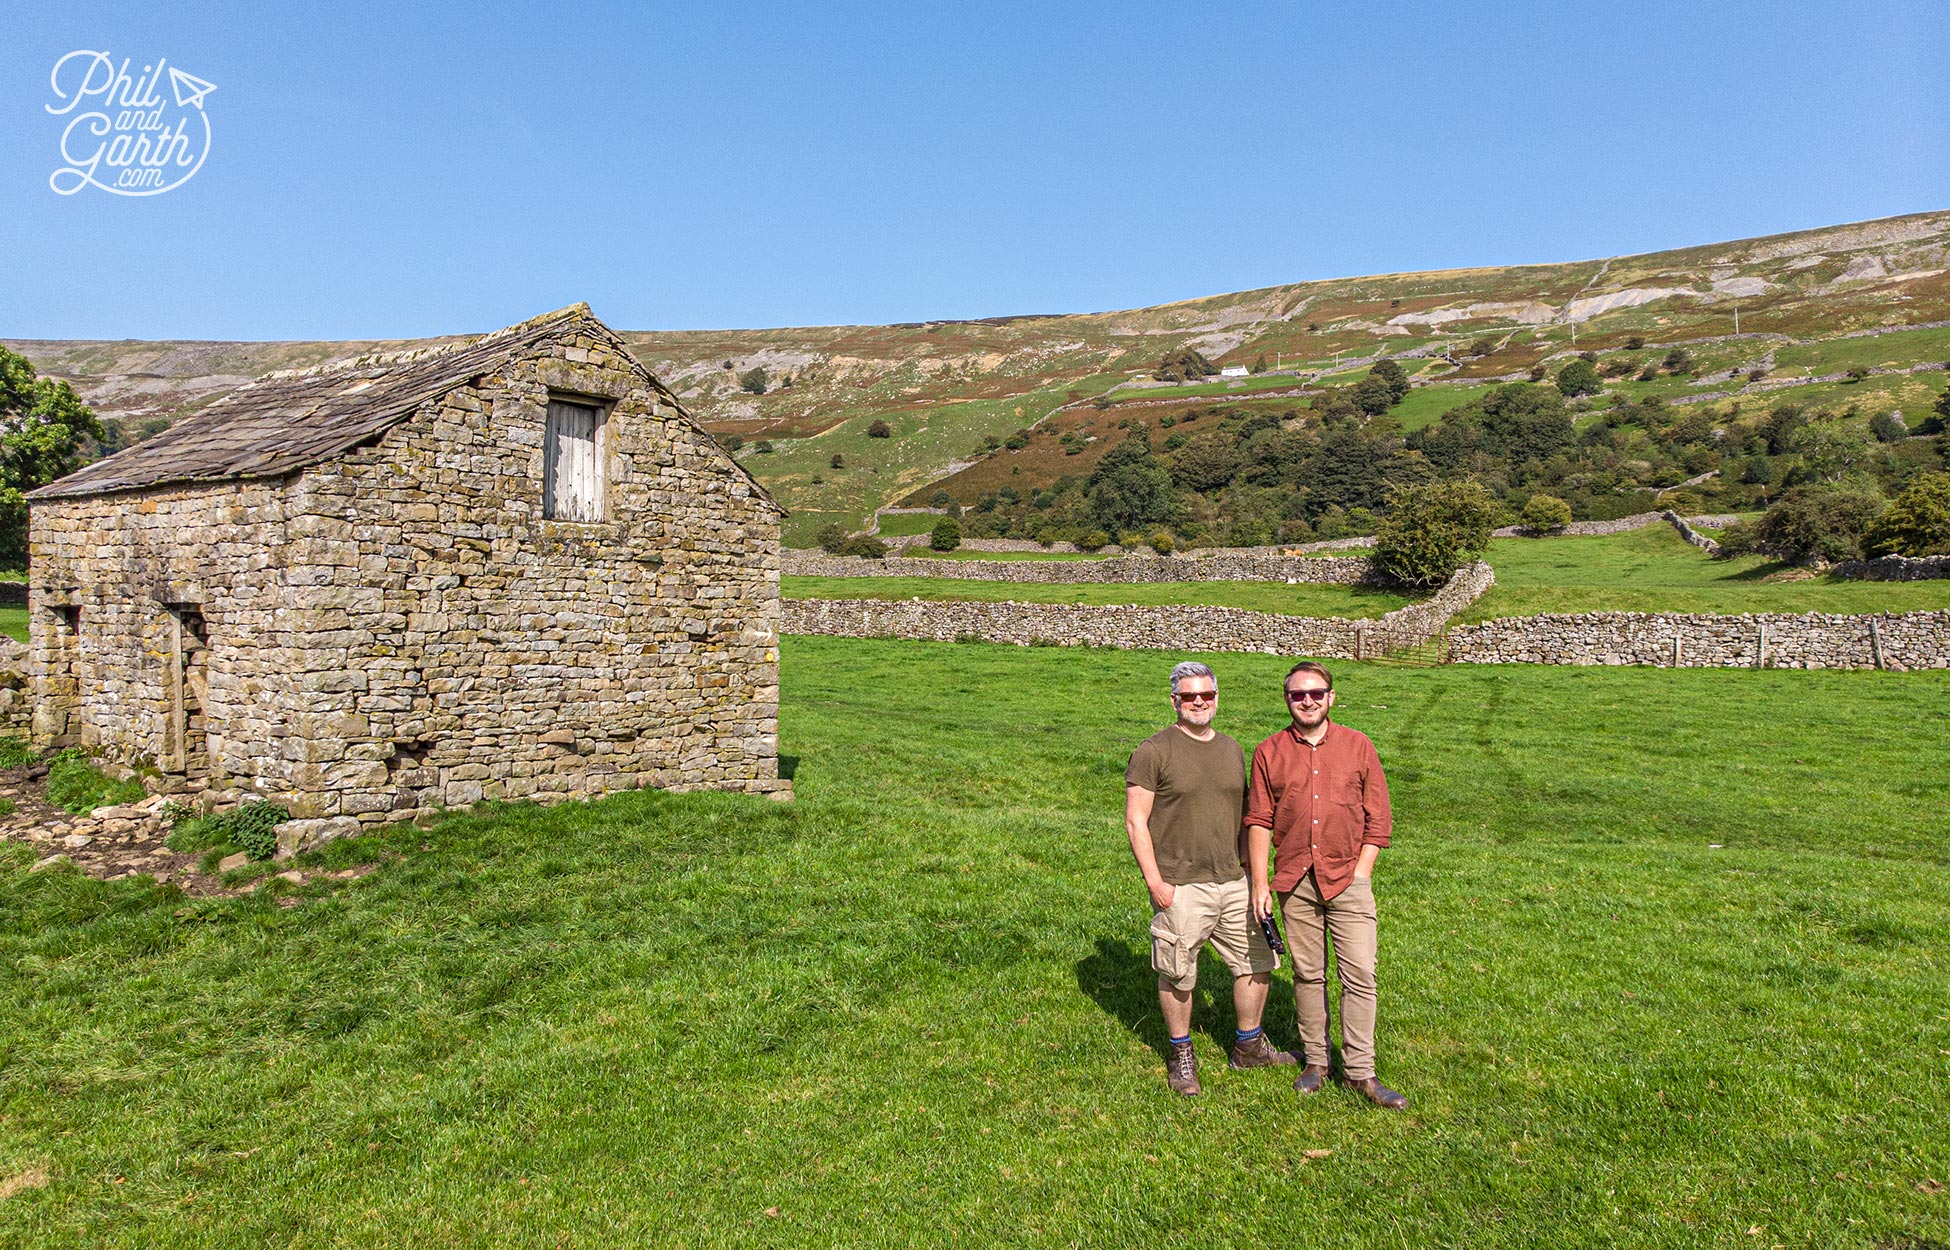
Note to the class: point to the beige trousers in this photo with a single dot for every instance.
(1349, 919)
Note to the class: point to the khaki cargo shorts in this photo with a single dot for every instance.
(1206, 911)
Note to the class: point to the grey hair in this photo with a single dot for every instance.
(1190, 668)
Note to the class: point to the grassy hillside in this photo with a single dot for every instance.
(1806, 302)
(1650, 967)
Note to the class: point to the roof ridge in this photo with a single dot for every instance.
(414, 355)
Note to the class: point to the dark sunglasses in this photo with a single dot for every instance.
(1197, 696)
(1308, 696)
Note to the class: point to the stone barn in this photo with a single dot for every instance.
(509, 568)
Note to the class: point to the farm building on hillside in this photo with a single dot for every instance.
(508, 568)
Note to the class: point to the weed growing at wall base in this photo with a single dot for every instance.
(1661, 959)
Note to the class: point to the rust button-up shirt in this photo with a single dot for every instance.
(1323, 804)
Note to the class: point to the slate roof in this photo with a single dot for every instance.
(284, 422)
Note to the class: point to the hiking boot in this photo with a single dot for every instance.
(1259, 1053)
(1181, 1069)
(1312, 1079)
(1378, 1094)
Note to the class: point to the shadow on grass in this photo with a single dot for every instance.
(1120, 979)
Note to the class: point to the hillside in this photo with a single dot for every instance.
(1810, 305)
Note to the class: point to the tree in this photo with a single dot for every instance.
(865, 546)
(44, 432)
(763, 447)
(1372, 395)
(1832, 450)
(753, 380)
(946, 535)
(880, 429)
(1916, 523)
(1129, 489)
(1433, 529)
(1677, 361)
(1259, 364)
(1396, 378)
(831, 537)
(1819, 520)
(1634, 342)
(1204, 463)
(732, 443)
(1184, 366)
(1546, 514)
(1580, 377)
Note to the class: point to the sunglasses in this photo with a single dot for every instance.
(1308, 696)
(1197, 696)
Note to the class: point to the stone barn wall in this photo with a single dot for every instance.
(400, 629)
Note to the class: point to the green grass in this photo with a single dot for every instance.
(1652, 569)
(902, 524)
(13, 623)
(74, 784)
(913, 1007)
(1299, 600)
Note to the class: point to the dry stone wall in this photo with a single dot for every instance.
(1174, 627)
(1220, 567)
(400, 629)
(1903, 641)
(1894, 569)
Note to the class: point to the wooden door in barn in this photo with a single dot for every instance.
(186, 693)
(572, 462)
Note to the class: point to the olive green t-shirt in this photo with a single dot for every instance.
(1201, 789)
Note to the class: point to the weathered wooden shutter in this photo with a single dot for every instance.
(572, 485)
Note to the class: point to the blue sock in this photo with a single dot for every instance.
(1182, 1041)
(1247, 1035)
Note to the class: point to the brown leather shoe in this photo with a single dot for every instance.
(1378, 1094)
(1259, 1053)
(1312, 1079)
(1181, 1069)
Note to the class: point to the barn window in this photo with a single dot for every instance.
(572, 462)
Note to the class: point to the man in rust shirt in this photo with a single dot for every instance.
(1318, 796)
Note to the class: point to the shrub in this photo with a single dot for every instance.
(1916, 523)
(731, 443)
(1538, 372)
(1856, 373)
(763, 447)
(1092, 540)
(946, 535)
(838, 461)
(1162, 542)
(940, 499)
(15, 753)
(880, 429)
(753, 381)
(1635, 343)
(1017, 441)
(1819, 521)
(1888, 427)
(1546, 514)
(1433, 529)
(1677, 361)
(831, 537)
(865, 546)
(1649, 373)
(1755, 375)
(74, 784)
(1485, 346)
(1737, 539)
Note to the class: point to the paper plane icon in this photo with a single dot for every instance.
(190, 89)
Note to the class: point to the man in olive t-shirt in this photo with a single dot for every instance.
(1184, 794)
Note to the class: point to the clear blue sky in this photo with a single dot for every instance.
(387, 171)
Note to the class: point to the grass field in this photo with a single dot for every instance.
(1661, 966)
(13, 622)
(1277, 597)
(1652, 569)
